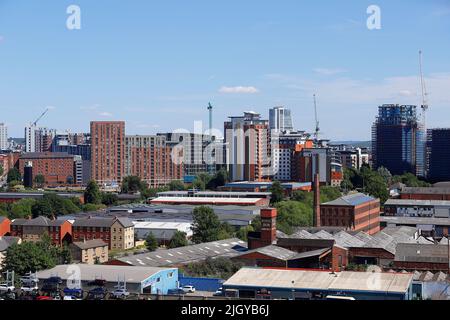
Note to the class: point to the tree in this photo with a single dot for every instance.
(132, 184)
(42, 208)
(176, 185)
(219, 179)
(293, 214)
(13, 175)
(377, 187)
(151, 243)
(92, 193)
(385, 174)
(277, 192)
(21, 209)
(201, 181)
(178, 240)
(2, 171)
(110, 199)
(39, 180)
(206, 225)
(243, 232)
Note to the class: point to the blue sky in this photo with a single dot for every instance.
(156, 64)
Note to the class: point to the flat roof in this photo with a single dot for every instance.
(231, 194)
(426, 190)
(105, 272)
(199, 252)
(428, 253)
(412, 202)
(416, 221)
(12, 195)
(321, 280)
(212, 200)
(255, 184)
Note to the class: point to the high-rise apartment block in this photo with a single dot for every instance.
(438, 152)
(280, 119)
(108, 152)
(3, 136)
(398, 141)
(150, 158)
(248, 150)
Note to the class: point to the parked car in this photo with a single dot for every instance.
(177, 291)
(120, 293)
(188, 289)
(44, 298)
(4, 287)
(73, 292)
(29, 288)
(98, 293)
(218, 293)
(71, 298)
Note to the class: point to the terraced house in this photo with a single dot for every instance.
(32, 230)
(118, 233)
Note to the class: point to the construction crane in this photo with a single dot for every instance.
(317, 130)
(40, 117)
(424, 92)
(210, 109)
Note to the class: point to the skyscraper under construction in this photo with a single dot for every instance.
(398, 140)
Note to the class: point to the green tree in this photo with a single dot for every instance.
(42, 208)
(21, 209)
(176, 185)
(377, 187)
(132, 184)
(150, 242)
(110, 199)
(2, 171)
(13, 175)
(201, 181)
(178, 240)
(219, 179)
(293, 214)
(243, 232)
(328, 193)
(206, 225)
(92, 193)
(39, 180)
(277, 192)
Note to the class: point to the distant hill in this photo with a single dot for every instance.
(357, 144)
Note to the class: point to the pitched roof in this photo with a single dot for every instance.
(103, 222)
(224, 248)
(40, 221)
(2, 219)
(350, 200)
(272, 251)
(6, 242)
(89, 244)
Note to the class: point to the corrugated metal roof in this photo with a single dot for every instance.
(413, 252)
(318, 280)
(199, 252)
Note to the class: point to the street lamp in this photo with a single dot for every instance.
(293, 290)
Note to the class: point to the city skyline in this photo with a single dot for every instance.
(156, 66)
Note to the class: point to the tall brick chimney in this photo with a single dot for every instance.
(316, 209)
(268, 233)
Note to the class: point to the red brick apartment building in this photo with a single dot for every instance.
(355, 212)
(425, 193)
(32, 230)
(108, 151)
(5, 226)
(56, 167)
(150, 158)
(118, 233)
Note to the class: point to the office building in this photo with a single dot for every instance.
(3, 136)
(38, 139)
(353, 158)
(438, 152)
(108, 152)
(248, 150)
(398, 141)
(280, 120)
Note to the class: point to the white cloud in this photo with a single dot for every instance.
(51, 107)
(239, 89)
(105, 114)
(329, 72)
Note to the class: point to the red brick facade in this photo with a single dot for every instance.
(108, 151)
(5, 226)
(57, 168)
